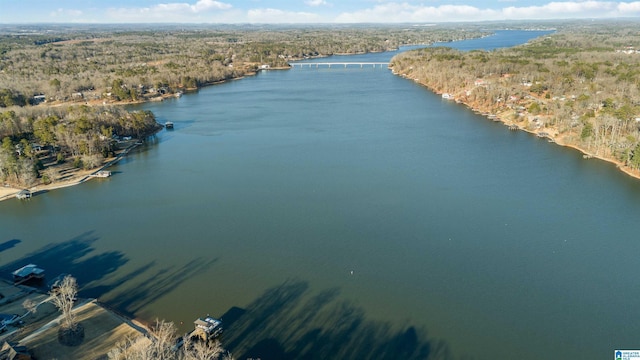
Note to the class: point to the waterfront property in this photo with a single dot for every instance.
(207, 328)
(28, 272)
(102, 174)
(23, 194)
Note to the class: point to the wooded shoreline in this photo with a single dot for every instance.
(494, 92)
(78, 178)
(578, 88)
(545, 133)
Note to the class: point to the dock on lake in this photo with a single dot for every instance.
(26, 273)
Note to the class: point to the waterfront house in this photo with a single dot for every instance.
(27, 273)
(23, 194)
(207, 328)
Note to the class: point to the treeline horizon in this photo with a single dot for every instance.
(129, 64)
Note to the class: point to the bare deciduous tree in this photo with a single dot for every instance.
(63, 297)
(161, 345)
(202, 350)
(30, 305)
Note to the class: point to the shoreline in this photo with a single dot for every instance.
(550, 133)
(85, 175)
(78, 178)
(7, 192)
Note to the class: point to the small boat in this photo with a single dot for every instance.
(23, 194)
(103, 173)
(168, 125)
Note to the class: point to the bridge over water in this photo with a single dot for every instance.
(345, 64)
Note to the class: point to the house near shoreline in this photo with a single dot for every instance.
(11, 351)
(23, 194)
(27, 272)
(207, 328)
(480, 82)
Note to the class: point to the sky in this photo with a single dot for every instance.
(306, 11)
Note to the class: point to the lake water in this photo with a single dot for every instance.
(350, 213)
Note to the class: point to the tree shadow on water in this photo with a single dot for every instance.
(152, 284)
(99, 273)
(9, 244)
(97, 289)
(71, 257)
(286, 322)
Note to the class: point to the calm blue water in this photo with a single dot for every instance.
(499, 39)
(350, 213)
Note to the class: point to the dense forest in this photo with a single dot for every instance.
(57, 82)
(579, 86)
(130, 64)
(38, 143)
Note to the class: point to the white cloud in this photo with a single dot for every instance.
(66, 13)
(377, 11)
(199, 6)
(316, 2)
(574, 9)
(405, 12)
(633, 7)
(210, 4)
(267, 16)
(201, 11)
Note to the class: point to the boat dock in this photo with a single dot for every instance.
(23, 195)
(102, 174)
(26, 273)
(207, 328)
